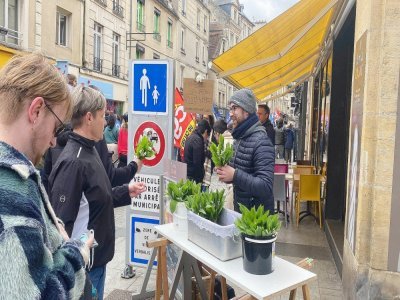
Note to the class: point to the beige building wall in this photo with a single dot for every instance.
(191, 54)
(234, 26)
(365, 272)
(156, 46)
(73, 10)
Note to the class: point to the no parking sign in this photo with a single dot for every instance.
(156, 137)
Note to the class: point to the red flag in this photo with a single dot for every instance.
(184, 122)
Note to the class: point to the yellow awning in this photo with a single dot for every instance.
(282, 51)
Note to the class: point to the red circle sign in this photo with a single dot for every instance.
(156, 136)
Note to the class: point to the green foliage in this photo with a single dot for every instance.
(208, 205)
(180, 191)
(220, 154)
(144, 148)
(257, 222)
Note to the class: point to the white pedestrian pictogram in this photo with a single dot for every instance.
(155, 95)
(144, 85)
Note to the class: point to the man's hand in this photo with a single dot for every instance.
(139, 164)
(225, 173)
(136, 188)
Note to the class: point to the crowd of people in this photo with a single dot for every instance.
(59, 222)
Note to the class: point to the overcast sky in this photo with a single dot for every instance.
(265, 9)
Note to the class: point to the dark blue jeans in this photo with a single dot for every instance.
(98, 278)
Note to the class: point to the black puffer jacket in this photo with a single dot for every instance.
(253, 160)
(195, 156)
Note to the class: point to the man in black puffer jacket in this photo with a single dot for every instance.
(251, 169)
(194, 151)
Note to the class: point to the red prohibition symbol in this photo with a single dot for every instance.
(156, 136)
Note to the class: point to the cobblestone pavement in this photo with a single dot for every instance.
(293, 245)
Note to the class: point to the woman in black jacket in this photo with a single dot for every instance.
(80, 190)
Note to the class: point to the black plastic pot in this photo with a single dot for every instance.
(257, 254)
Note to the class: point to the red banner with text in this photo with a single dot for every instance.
(184, 122)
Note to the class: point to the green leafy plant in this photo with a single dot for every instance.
(180, 191)
(257, 222)
(221, 154)
(208, 205)
(144, 148)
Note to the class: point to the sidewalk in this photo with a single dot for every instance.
(293, 245)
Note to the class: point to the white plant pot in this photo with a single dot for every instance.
(180, 217)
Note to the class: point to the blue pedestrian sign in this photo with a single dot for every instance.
(149, 87)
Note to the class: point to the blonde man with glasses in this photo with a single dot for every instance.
(38, 260)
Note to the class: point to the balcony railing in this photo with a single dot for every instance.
(116, 69)
(9, 36)
(170, 44)
(157, 36)
(140, 27)
(118, 9)
(102, 2)
(97, 64)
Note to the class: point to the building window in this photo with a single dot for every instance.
(184, 7)
(62, 27)
(198, 19)
(157, 35)
(116, 68)
(156, 56)
(197, 51)
(140, 16)
(9, 21)
(204, 56)
(118, 9)
(139, 51)
(205, 23)
(169, 34)
(183, 41)
(97, 45)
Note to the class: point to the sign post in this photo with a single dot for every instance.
(151, 113)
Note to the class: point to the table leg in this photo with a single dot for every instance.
(164, 272)
(306, 292)
(224, 288)
(292, 294)
(159, 276)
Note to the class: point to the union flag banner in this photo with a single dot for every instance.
(184, 122)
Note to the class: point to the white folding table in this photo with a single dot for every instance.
(286, 276)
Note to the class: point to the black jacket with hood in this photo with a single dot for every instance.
(79, 183)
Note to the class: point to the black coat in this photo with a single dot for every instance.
(270, 130)
(194, 156)
(79, 177)
(117, 176)
(253, 161)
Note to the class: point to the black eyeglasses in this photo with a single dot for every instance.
(60, 128)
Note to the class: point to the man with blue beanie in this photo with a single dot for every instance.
(251, 169)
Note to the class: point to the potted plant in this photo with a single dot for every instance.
(259, 231)
(178, 193)
(208, 205)
(211, 226)
(221, 154)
